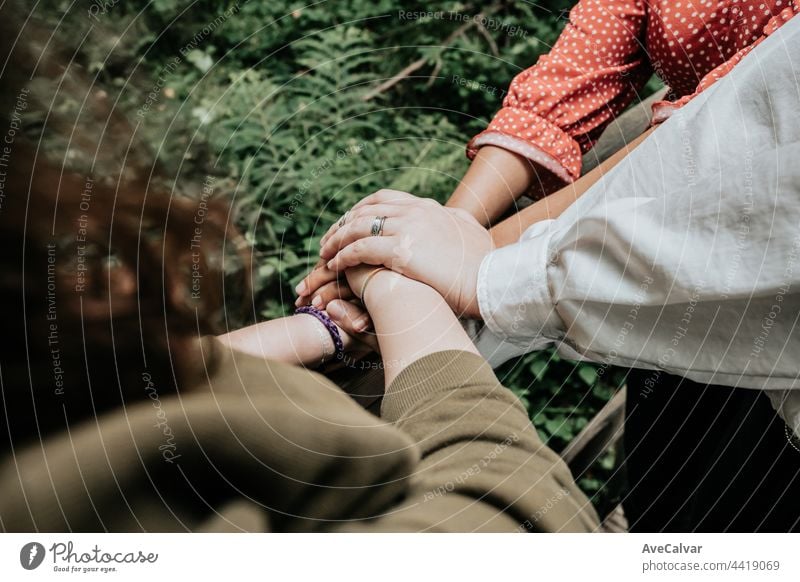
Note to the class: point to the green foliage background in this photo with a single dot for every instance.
(269, 97)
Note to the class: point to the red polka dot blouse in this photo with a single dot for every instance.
(555, 110)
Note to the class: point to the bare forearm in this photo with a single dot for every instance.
(494, 181)
(510, 230)
(298, 340)
(412, 321)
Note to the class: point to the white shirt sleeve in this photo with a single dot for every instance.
(686, 256)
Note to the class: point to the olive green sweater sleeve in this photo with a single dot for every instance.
(483, 466)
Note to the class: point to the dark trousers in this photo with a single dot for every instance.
(707, 458)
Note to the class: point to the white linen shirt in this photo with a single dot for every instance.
(683, 258)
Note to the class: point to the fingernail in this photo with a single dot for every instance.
(317, 301)
(334, 310)
(301, 288)
(330, 264)
(361, 323)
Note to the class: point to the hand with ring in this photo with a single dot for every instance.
(417, 237)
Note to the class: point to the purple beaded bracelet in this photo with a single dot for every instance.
(338, 344)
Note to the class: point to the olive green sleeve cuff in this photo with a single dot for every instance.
(435, 373)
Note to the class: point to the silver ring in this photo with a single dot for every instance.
(343, 219)
(377, 226)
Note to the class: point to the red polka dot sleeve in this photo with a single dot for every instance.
(556, 109)
(777, 17)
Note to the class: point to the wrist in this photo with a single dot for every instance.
(384, 285)
(390, 291)
(506, 232)
(475, 201)
(329, 337)
(468, 302)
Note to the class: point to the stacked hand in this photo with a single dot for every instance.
(419, 238)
